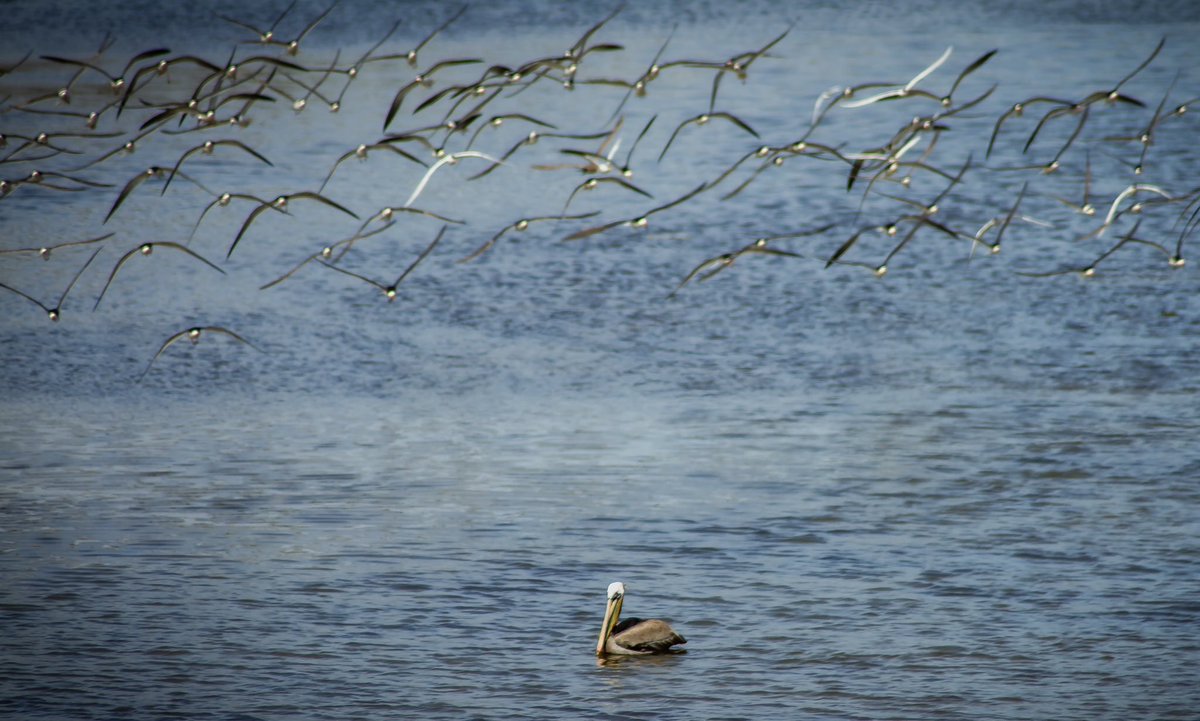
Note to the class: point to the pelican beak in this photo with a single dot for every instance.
(612, 612)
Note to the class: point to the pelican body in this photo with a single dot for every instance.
(633, 636)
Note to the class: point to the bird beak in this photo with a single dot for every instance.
(611, 613)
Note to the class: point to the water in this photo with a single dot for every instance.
(952, 492)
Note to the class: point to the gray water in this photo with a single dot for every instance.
(953, 492)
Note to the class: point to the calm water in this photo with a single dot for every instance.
(954, 492)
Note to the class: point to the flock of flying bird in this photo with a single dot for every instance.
(455, 111)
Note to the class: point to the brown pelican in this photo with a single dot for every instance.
(633, 636)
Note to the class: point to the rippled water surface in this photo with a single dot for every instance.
(953, 492)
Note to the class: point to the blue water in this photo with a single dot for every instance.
(953, 492)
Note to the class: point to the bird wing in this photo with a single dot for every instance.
(189, 251)
(592, 231)
(231, 334)
(161, 349)
(113, 274)
(674, 133)
(649, 636)
(421, 257)
(246, 225)
(970, 69)
(707, 263)
(396, 101)
(26, 296)
(133, 183)
(63, 298)
(322, 199)
(735, 120)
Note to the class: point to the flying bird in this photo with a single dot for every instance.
(423, 79)
(193, 335)
(207, 148)
(521, 226)
(702, 119)
(362, 152)
(147, 249)
(448, 159)
(116, 82)
(593, 183)
(154, 171)
(411, 55)
(223, 200)
(708, 268)
(389, 290)
(281, 203)
(45, 250)
(639, 222)
(56, 312)
(326, 253)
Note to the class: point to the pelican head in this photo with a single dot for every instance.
(612, 614)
